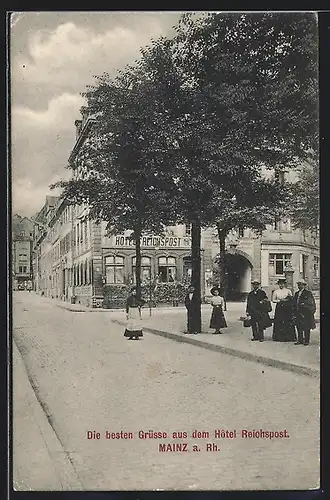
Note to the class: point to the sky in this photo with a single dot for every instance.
(53, 57)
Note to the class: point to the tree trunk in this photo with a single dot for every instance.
(222, 263)
(137, 234)
(196, 271)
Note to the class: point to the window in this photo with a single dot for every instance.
(85, 273)
(280, 176)
(303, 265)
(22, 233)
(114, 269)
(187, 268)
(316, 267)
(22, 269)
(166, 269)
(82, 273)
(276, 226)
(77, 234)
(278, 262)
(188, 230)
(74, 237)
(282, 225)
(285, 225)
(145, 268)
(314, 237)
(86, 232)
(91, 271)
(241, 232)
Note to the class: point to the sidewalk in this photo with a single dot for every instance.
(39, 461)
(171, 323)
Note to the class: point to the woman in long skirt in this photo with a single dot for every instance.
(133, 315)
(218, 319)
(283, 329)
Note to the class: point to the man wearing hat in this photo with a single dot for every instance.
(256, 307)
(304, 310)
(191, 302)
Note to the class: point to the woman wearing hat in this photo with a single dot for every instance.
(218, 319)
(283, 329)
(133, 315)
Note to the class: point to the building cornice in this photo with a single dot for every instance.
(289, 243)
(81, 138)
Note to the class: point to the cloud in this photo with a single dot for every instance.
(69, 56)
(54, 58)
(28, 198)
(58, 112)
(41, 144)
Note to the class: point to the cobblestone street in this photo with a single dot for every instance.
(88, 377)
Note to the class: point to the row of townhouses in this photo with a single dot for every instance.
(76, 260)
(22, 252)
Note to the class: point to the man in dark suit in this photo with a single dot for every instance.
(256, 307)
(304, 310)
(191, 303)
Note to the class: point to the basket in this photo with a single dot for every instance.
(246, 322)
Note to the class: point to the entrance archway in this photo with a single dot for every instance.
(238, 276)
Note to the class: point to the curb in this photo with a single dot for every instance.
(283, 365)
(90, 310)
(60, 459)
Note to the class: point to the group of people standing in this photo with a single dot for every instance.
(292, 313)
(218, 319)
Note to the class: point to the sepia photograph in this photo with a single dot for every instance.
(164, 253)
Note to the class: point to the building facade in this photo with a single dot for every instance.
(76, 260)
(265, 257)
(22, 252)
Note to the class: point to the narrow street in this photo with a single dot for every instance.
(88, 377)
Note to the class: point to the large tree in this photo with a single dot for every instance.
(112, 171)
(230, 94)
(238, 93)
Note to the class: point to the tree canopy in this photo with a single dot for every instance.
(183, 134)
(303, 209)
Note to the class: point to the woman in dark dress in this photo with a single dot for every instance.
(133, 315)
(218, 319)
(283, 329)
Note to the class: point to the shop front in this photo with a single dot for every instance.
(165, 269)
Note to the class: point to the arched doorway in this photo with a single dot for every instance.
(238, 276)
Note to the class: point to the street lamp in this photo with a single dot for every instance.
(288, 273)
(232, 245)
